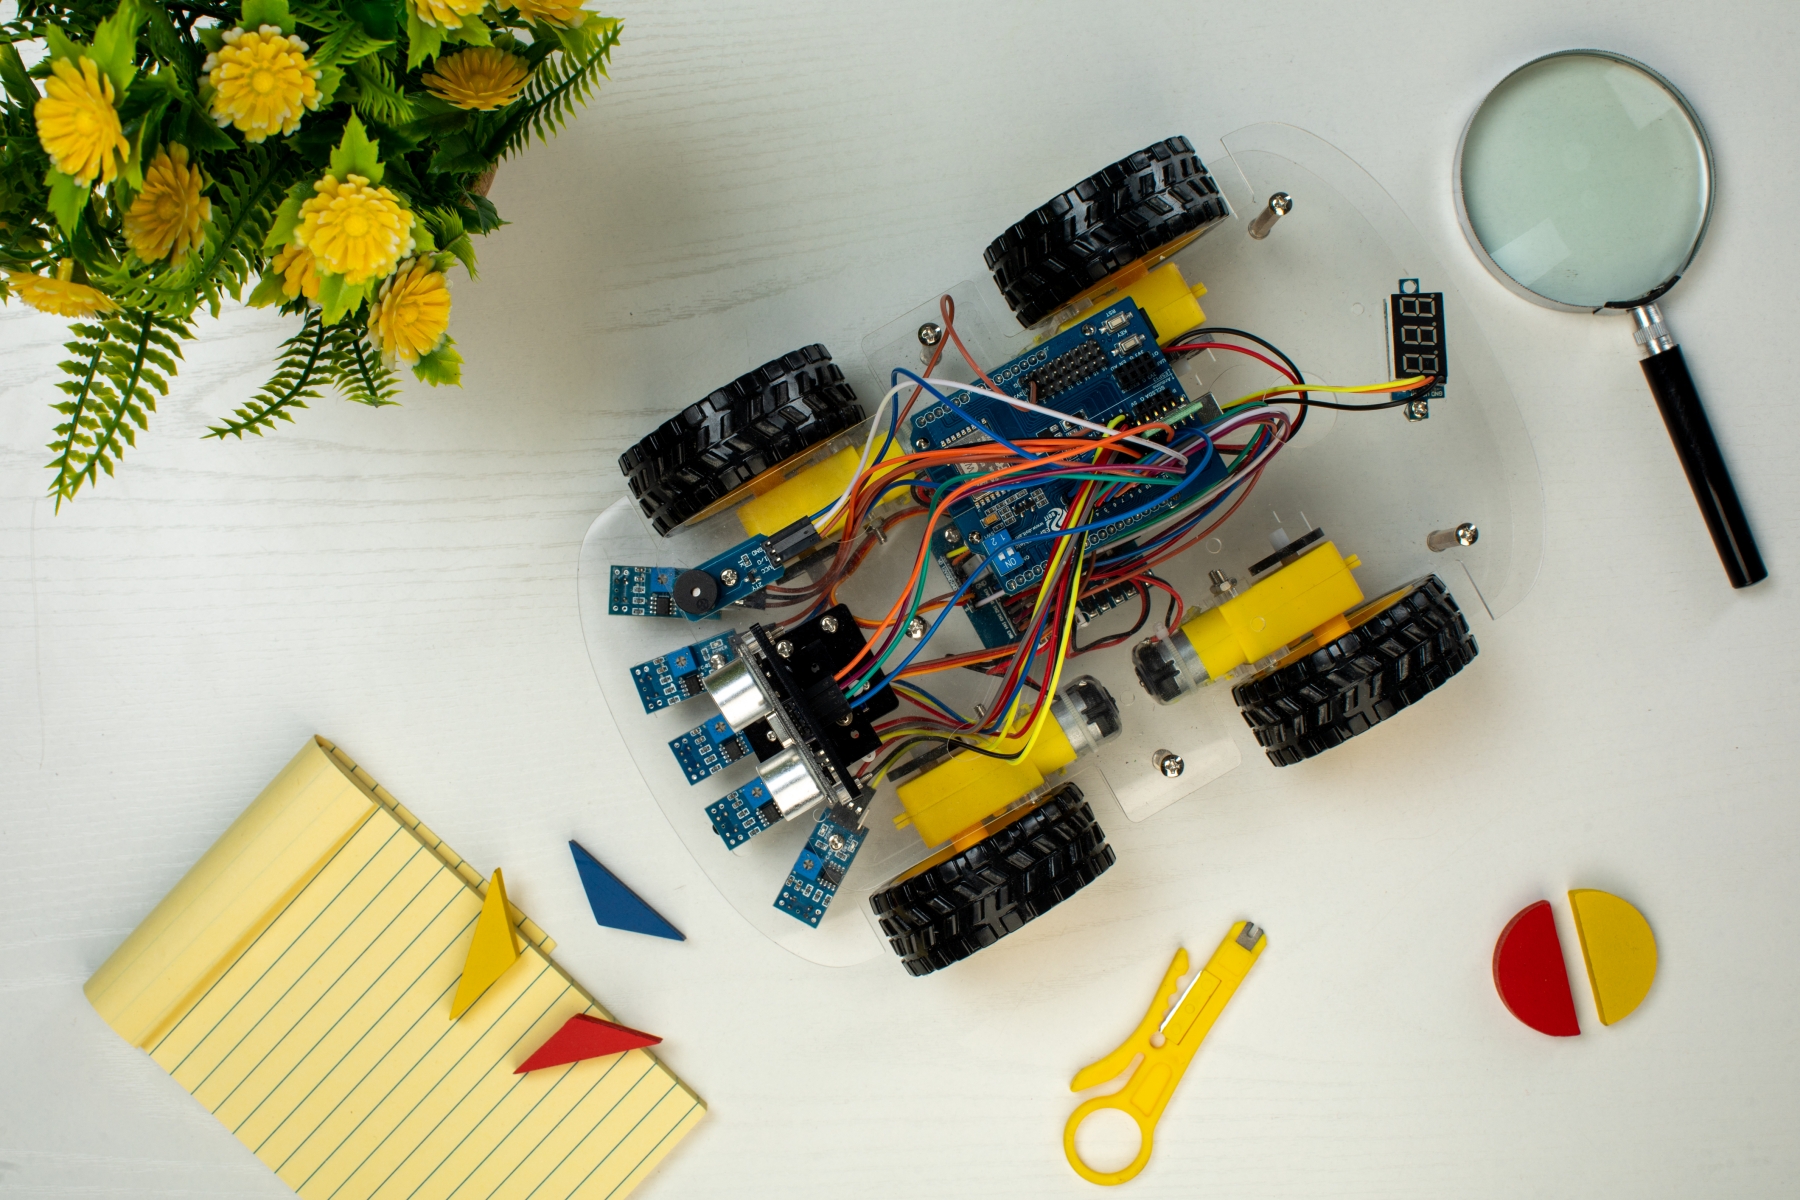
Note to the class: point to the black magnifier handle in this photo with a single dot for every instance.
(1673, 388)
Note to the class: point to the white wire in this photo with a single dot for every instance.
(949, 385)
(862, 464)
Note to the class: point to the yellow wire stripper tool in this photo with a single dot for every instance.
(1167, 1038)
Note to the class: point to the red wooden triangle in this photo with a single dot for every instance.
(582, 1037)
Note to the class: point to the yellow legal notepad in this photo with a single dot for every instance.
(298, 981)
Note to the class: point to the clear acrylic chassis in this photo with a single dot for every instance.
(1318, 287)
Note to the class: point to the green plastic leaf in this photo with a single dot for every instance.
(442, 367)
(258, 13)
(267, 292)
(115, 44)
(380, 17)
(287, 217)
(339, 299)
(67, 199)
(474, 32)
(463, 250)
(330, 79)
(60, 45)
(423, 40)
(423, 242)
(356, 154)
(13, 78)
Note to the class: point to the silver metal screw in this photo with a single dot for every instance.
(915, 628)
(785, 649)
(828, 624)
(921, 444)
(1222, 584)
(1280, 205)
(847, 720)
(870, 526)
(836, 842)
(1439, 540)
(952, 534)
(729, 577)
(1418, 410)
(716, 661)
(930, 333)
(772, 736)
(1168, 762)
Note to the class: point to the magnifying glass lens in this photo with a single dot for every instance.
(1586, 180)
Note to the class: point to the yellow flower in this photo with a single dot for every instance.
(262, 81)
(77, 123)
(295, 266)
(59, 294)
(551, 12)
(354, 230)
(411, 316)
(482, 78)
(447, 13)
(167, 215)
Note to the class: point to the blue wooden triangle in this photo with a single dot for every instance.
(615, 905)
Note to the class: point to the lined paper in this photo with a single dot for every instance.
(321, 1036)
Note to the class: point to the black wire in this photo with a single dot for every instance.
(1272, 348)
(1302, 401)
(1106, 643)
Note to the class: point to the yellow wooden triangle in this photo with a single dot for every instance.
(493, 950)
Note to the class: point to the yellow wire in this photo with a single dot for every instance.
(1392, 385)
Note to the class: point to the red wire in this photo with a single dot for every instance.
(1280, 367)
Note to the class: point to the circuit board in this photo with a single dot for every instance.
(1106, 368)
(742, 813)
(675, 676)
(734, 577)
(819, 870)
(645, 592)
(709, 748)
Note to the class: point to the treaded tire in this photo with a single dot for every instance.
(1106, 222)
(979, 895)
(1395, 655)
(751, 425)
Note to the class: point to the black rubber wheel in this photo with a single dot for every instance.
(974, 897)
(1400, 647)
(753, 424)
(1135, 208)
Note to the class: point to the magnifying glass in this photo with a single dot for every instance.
(1584, 182)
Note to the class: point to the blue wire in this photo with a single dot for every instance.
(949, 608)
(913, 687)
(898, 371)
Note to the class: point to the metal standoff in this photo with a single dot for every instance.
(1168, 763)
(1222, 584)
(1280, 204)
(1439, 540)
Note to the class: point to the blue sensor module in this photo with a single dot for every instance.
(676, 676)
(741, 814)
(709, 748)
(820, 870)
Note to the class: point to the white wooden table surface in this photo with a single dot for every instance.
(761, 176)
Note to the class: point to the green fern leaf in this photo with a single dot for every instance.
(560, 85)
(345, 45)
(357, 370)
(121, 365)
(306, 362)
(378, 97)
